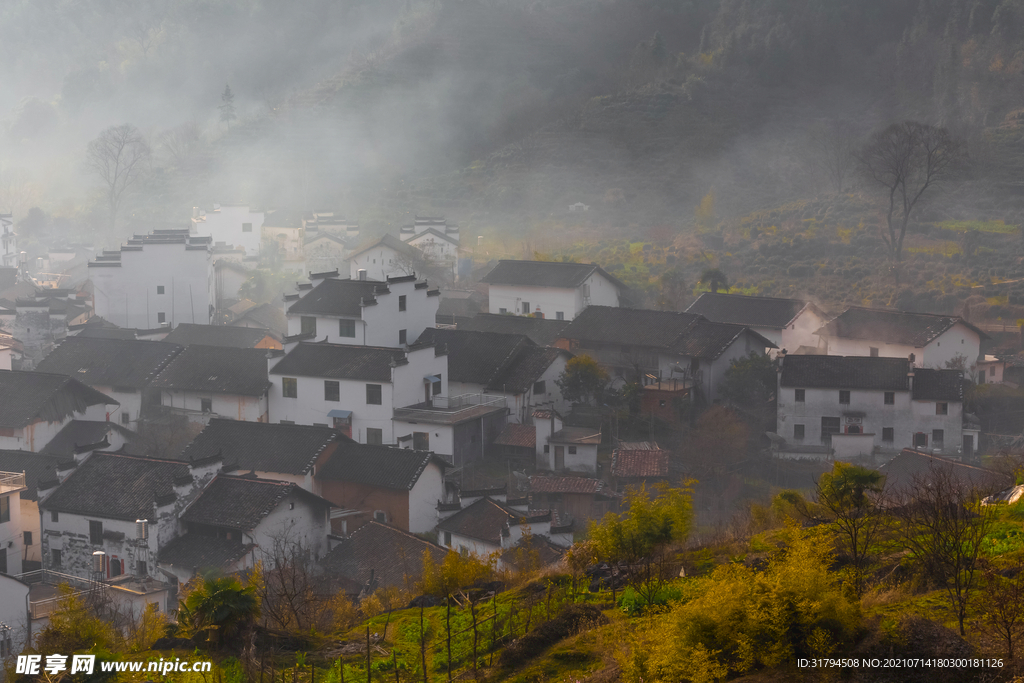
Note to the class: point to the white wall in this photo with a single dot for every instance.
(11, 534)
(131, 403)
(472, 545)
(296, 520)
(800, 332)
(423, 497)
(550, 300)
(442, 437)
(380, 263)
(30, 522)
(35, 436)
(6, 356)
(14, 610)
(126, 295)
(224, 224)
(230, 406)
(957, 340)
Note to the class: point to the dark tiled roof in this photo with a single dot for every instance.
(544, 274)
(709, 340)
(393, 556)
(84, 433)
(117, 363)
(242, 503)
(203, 552)
(383, 466)
(938, 385)
(476, 357)
(640, 463)
(629, 326)
(542, 331)
(456, 308)
(216, 369)
(565, 485)
(29, 396)
(526, 368)
(114, 486)
(280, 448)
(391, 242)
(100, 332)
(517, 435)
(340, 361)
(37, 467)
(846, 372)
(894, 327)
(531, 549)
(484, 520)
(585, 435)
(217, 335)
(753, 311)
(265, 315)
(911, 467)
(338, 297)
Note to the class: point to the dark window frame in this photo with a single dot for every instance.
(344, 326)
(95, 532)
(290, 387)
(374, 395)
(800, 395)
(889, 398)
(332, 390)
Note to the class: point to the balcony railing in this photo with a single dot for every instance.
(466, 401)
(450, 408)
(11, 481)
(46, 601)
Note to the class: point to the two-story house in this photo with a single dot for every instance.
(354, 389)
(284, 239)
(854, 406)
(40, 471)
(550, 289)
(388, 314)
(203, 382)
(644, 346)
(385, 258)
(934, 340)
(36, 406)
(487, 527)
(119, 368)
(12, 526)
(787, 323)
(235, 225)
(380, 556)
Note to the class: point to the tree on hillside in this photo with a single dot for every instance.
(120, 158)
(849, 493)
(1001, 602)
(905, 160)
(836, 145)
(445, 580)
(714, 279)
(718, 442)
(227, 106)
(583, 380)
(750, 386)
(672, 290)
(221, 608)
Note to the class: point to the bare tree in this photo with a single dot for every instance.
(1002, 603)
(835, 143)
(906, 159)
(182, 143)
(943, 523)
(120, 158)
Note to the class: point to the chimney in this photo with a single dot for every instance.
(195, 212)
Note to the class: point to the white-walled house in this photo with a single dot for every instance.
(354, 389)
(387, 314)
(550, 289)
(387, 257)
(853, 406)
(486, 527)
(437, 247)
(36, 406)
(13, 598)
(12, 526)
(164, 278)
(935, 340)
(39, 471)
(235, 225)
(204, 382)
(564, 449)
(119, 368)
(787, 323)
(284, 239)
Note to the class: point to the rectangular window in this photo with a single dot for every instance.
(502, 311)
(289, 387)
(920, 440)
(798, 432)
(572, 450)
(401, 302)
(159, 289)
(448, 538)
(403, 337)
(246, 227)
(308, 323)
(937, 438)
(526, 308)
(26, 537)
(942, 409)
(539, 387)
(992, 371)
(844, 397)
(873, 352)
(890, 398)
(141, 568)
(332, 390)
(559, 315)
(373, 395)
(798, 395)
(54, 516)
(380, 516)
(374, 437)
(161, 318)
(125, 417)
(347, 328)
(435, 387)
(5, 510)
(421, 441)
(55, 559)
(206, 405)
(887, 435)
(95, 532)
(829, 426)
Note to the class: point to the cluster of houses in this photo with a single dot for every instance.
(140, 444)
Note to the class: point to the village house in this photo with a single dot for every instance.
(284, 240)
(234, 225)
(436, 239)
(376, 556)
(458, 305)
(236, 522)
(386, 258)
(392, 313)
(203, 382)
(35, 406)
(458, 428)
(119, 368)
(573, 498)
(164, 278)
(389, 485)
(541, 331)
(912, 468)
(787, 323)
(79, 436)
(563, 448)
(42, 320)
(325, 250)
(229, 276)
(265, 316)
(636, 345)
(847, 407)
(38, 470)
(486, 528)
(12, 526)
(187, 334)
(14, 637)
(281, 452)
(9, 255)
(638, 464)
(354, 389)
(503, 364)
(550, 289)
(935, 340)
